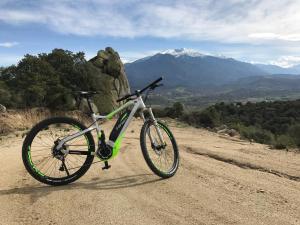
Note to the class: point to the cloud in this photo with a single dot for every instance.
(247, 21)
(272, 36)
(130, 56)
(286, 61)
(8, 44)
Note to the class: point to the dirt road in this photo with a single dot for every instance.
(220, 181)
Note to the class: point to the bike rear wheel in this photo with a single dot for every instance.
(163, 160)
(49, 166)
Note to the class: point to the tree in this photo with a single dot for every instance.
(175, 111)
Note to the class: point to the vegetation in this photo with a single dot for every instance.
(50, 80)
(275, 123)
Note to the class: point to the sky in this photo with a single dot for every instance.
(257, 31)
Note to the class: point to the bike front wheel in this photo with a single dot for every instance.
(162, 158)
(50, 166)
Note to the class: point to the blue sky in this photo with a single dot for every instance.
(265, 31)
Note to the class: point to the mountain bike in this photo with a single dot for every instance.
(60, 150)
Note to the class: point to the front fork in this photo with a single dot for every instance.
(155, 125)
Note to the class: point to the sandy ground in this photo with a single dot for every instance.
(220, 181)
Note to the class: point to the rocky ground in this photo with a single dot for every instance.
(221, 180)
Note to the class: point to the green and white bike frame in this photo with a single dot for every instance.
(137, 105)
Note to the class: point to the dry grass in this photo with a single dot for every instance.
(15, 120)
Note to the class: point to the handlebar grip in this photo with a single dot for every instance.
(139, 92)
(154, 82)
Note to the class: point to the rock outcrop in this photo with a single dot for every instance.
(114, 82)
(2, 109)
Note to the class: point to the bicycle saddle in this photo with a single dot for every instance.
(86, 94)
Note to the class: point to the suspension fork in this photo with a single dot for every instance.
(155, 125)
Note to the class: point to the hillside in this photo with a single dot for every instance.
(220, 180)
(189, 69)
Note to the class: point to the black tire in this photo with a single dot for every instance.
(43, 126)
(146, 150)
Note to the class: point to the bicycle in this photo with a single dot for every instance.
(60, 150)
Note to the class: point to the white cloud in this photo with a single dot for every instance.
(130, 56)
(249, 21)
(286, 61)
(8, 44)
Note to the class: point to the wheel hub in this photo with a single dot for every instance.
(158, 148)
(56, 152)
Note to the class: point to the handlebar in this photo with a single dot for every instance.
(125, 97)
(153, 85)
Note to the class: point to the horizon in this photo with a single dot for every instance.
(251, 31)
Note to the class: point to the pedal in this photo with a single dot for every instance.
(106, 166)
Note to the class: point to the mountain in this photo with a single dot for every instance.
(188, 68)
(273, 69)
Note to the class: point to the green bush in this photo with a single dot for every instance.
(283, 141)
(255, 133)
(294, 133)
(175, 111)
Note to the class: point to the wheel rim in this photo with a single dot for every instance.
(163, 158)
(42, 158)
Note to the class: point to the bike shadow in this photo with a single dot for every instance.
(37, 191)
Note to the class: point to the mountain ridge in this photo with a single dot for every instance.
(182, 67)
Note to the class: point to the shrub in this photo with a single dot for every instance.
(254, 133)
(294, 132)
(283, 141)
(175, 111)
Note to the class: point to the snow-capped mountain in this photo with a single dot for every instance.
(190, 68)
(182, 52)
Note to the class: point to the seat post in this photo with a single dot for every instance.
(89, 104)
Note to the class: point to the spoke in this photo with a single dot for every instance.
(80, 159)
(53, 161)
(65, 167)
(37, 146)
(71, 162)
(47, 137)
(42, 144)
(40, 155)
(44, 163)
(75, 160)
(70, 168)
(39, 141)
(51, 171)
(42, 160)
(51, 133)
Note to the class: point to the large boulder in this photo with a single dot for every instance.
(114, 82)
(2, 109)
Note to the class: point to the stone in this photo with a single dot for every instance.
(232, 132)
(2, 109)
(114, 83)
